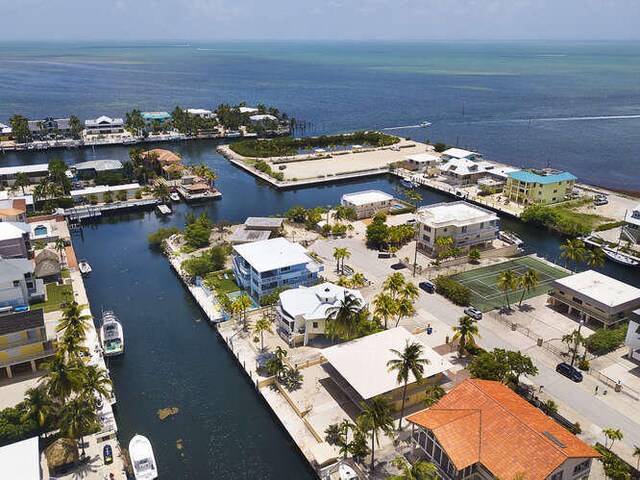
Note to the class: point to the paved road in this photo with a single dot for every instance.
(603, 411)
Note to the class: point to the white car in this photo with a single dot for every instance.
(473, 313)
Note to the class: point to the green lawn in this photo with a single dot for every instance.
(483, 282)
(65, 273)
(56, 294)
(223, 285)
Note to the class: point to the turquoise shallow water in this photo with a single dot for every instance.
(509, 100)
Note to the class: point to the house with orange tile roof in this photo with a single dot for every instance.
(164, 157)
(483, 430)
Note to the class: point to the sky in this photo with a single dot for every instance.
(117, 20)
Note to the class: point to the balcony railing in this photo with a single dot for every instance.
(47, 352)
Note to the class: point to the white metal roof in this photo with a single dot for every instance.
(103, 120)
(247, 109)
(15, 269)
(366, 197)
(422, 158)
(459, 153)
(103, 189)
(21, 460)
(313, 303)
(600, 288)
(454, 213)
(463, 166)
(99, 165)
(12, 230)
(273, 254)
(363, 362)
(257, 118)
(38, 168)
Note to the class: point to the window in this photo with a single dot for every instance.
(428, 229)
(577, 300)
(464, 229)
(285, 269)
(557, 476)
(426, 238)
(582, 466)
(315, 324)
(555, 191)
(16, 283)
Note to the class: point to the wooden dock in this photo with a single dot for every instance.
(89, 213)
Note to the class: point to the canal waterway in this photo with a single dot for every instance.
(174, 357)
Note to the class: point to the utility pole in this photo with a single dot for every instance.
(575, 349)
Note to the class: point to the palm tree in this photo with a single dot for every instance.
(404, 308)
(260, 326)
(465, 333)
(432, 394)
(595, 257)
(40, 408)
(507, 281)
(343, 319)
(60, 247)
(73, 321)
(572, 251)
(358, 280)
(528, 281)
(612, 434)
(21, 180)
(384, 307)
(376, 416)
(442, 243)
(77, 419)
(394, 284)
(161, 191)
(340, 254)
(573, 339)
(420, 470)
(409, 361)
(97, 383)
(71, 345)
(64, 377)
(241, 305)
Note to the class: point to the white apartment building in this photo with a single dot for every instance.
(469, 226)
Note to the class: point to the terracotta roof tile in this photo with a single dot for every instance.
(480, 421)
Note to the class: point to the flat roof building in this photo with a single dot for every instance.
(100, 190)
(460, 153)
(632, 227)
(483, 430)
(468, 225)
(35, 173)
(368, 202)
(301, 313)
(103, 125)
(595, 298)
(256, 229)
(21, 460)
(360, 367)
(14, 240)
(420, 161)
(526, 188)
(97, 166)
(202, 113)
(261, 267)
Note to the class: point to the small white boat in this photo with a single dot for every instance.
(164, 209)
(408, 183)
(620, 257)
(510, 237)
(175, 197)
(111, 335)
(142, 458)
(84, 267)
(130, 141)
(347, 473)
(425, 124)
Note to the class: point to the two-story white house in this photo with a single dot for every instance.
(18, 286)
(103, 125)
(468, 226)
(261, 267)
(302, 313)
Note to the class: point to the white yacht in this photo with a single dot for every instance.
(620, 257)
(111, 335)
(84, 267)
(175, 197)
(142, 459)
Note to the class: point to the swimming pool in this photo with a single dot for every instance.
(234, 295)
(40, 231)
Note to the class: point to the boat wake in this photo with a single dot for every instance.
(571, 119)
(403, 127)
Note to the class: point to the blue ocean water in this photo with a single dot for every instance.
(515, 102)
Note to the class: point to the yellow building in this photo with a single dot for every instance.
(528, 188)
(23, 342)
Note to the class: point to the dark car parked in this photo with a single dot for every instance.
(569, 372)
(427, 287)
(107, 454)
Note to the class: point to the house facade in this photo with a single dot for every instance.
(50, 128)
(420, 162)
(102, 192)
(5, 132)
(90, 169)
(633, 336)
(103, 125)
(301, 313)
(24, 341)
(595, 298)
(13, 210)
(34, 172)
(482, 430)
(468, 226)
(462, 171)
(261, 267)
(18, 285)
(159, 118)
(15, 241)
(631, 228)
(368, 202)
(528, 188)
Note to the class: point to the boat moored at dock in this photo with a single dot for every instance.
(510, 237)
(143, 461)
(111, 335)
(84, 267)
(619, 257)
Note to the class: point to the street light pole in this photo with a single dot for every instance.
(415, 255)
(575, 349)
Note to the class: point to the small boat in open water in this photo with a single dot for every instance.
(620, 257)
(111, 335)
(84, 267)
(142, 458)
(425, 124)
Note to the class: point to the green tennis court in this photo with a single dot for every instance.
(483, 282)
